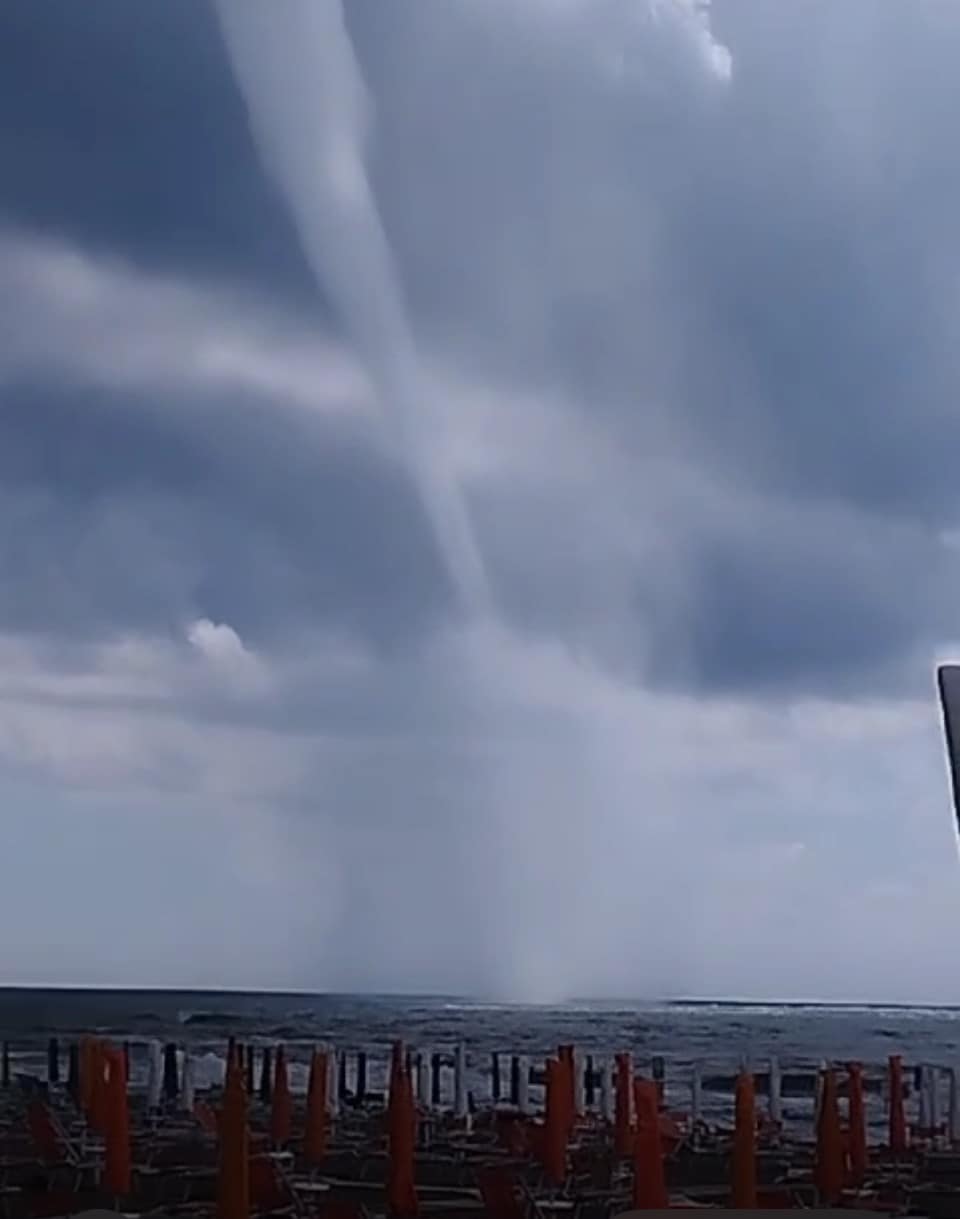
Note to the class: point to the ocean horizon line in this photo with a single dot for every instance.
(627, 1002)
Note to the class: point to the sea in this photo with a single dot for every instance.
(719, 1036)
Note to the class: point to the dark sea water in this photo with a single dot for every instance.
(717, 1035)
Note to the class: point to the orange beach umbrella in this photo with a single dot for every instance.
(281, 1112)
(859, 1156)
(315, 1134)
(402, 1200)
(233, 1170)
(116, 1174)
(744, 1191)
(649, 1181)
(98, 1115)
(556, 1123)
(829, 1163)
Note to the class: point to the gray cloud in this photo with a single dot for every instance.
(127, 132)
(753, 282)
(688, 353)
(125, 518)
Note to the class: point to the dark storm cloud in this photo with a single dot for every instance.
(756, 281)
(816, 245)
(761, 283)
(812, 606)
(774, 258)
(129, 517)
(814, 248)
(121, 128)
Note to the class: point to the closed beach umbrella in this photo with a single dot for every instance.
(233, 1169)
(281, 1113)
(99, 1101)
(402, 1200)
(315, 1135)
(556, 1123)
(828, 1171)
(623, 1132)
(649, 1182)
(744, 1185)
(859, 1157)
(116, 1173)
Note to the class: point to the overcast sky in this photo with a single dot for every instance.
(480, 502)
